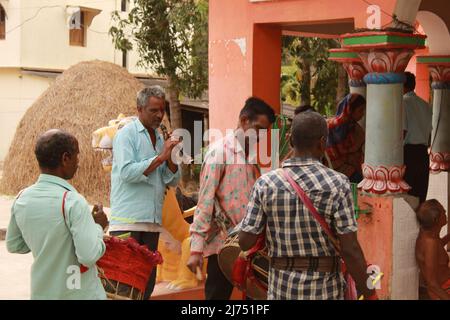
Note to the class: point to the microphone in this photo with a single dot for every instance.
(185, 158)
(164, 131)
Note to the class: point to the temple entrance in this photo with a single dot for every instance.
(374, 59)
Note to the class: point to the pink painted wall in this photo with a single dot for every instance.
(245, 47)
(375, 235)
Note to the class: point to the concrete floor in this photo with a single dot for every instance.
(14, 274)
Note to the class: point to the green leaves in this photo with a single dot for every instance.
(307, 75)
(171, 37)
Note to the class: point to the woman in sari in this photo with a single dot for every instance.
(345, 145)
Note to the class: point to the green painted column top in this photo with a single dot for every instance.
(434, 60)
(343, 55)
(380, 39)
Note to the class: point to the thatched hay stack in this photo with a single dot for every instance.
(83, 99)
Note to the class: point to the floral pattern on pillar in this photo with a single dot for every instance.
(439, 162)
(352, 64)
(383, 179)
(385, 55)
(440, 74)
(387, 60)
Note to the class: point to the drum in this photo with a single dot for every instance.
(125, 268)
(259, 264)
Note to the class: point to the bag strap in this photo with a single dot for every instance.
(83, 268)
(308, 203)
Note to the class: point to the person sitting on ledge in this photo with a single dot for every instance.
(431, 255)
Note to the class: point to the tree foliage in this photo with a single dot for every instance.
(171, 38)
(308, 77)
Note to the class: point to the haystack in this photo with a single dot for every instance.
(81, 100)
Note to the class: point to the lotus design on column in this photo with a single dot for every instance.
(382, 179)
(383, 61)
(439, 162)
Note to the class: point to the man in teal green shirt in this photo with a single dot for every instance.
(53, 221)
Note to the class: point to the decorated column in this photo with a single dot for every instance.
(440, 138)
(353, 66)
(387, 235)
(385, 55)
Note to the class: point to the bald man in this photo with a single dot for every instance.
(304, 265)
(53, 221)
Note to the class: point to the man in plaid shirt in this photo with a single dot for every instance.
(304, 264)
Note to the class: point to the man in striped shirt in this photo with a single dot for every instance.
(226, 179)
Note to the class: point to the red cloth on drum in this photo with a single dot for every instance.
(242, 268)
(128, 262)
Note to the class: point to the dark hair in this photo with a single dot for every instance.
(356, 100)
(255, 107)
(304, 108)
(410, 82)
(428, 213)
(51, 146)
(307, 129)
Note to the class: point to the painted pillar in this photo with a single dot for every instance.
(354, 67)
(440, 138)
(267, 64)
(387, 235)
(439, 67)
(385, 55)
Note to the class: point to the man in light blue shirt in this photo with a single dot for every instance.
(142, 169)
(417, 125)
(53, 221)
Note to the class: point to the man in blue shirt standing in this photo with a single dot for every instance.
(142, 169)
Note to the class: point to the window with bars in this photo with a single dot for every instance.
(2, 23)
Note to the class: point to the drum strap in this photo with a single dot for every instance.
(83, 268)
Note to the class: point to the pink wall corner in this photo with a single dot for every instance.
(267, 64)
(230, 62)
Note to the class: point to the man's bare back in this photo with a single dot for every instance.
(431, 255)
(427, 244)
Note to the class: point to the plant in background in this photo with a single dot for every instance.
(171, 37)
(308, 77)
